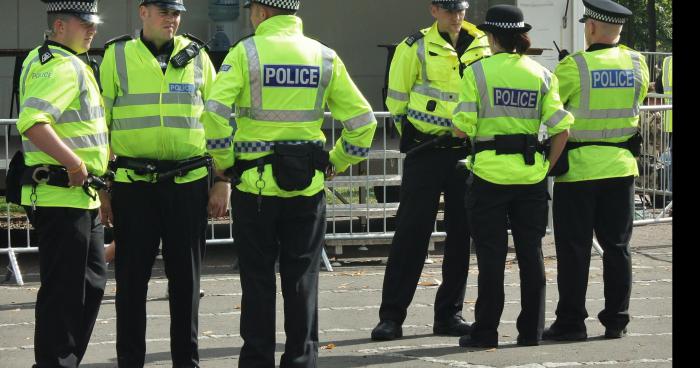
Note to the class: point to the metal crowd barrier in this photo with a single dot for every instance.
(363, 202)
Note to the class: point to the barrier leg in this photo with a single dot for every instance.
(326, 262)
(597, 247)
(15, 267)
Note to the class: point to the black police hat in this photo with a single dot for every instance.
(83, 9)
(504, 18)
(605, 11)
(166, 4)
(451, 4)
(279, 4)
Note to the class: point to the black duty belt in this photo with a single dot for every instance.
(58, 176)
(525, 144)
(162, 169)
(633, 144)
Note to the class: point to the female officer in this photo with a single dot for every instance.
(503, 102)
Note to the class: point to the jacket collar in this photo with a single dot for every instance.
(285, 24)
(433, 35)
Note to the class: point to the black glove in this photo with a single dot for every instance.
(562, 54)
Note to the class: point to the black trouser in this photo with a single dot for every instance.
(425, 176)
(490, 206)
(73, 277)
(145, 213)
(292, 228)
(605, 206)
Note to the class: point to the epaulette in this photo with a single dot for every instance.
(242, 39)
(125, 37)
(410, 40)
(197, 40)
(45, 54)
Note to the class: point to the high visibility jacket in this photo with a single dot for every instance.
(425, 70)
(280, 82)
(667, 80)
(58, 88)
(603, 89)
(154, 115)
(509, 94)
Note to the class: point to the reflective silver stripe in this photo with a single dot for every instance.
(29, 67)
(256, 112)
(430, 119)
(396, 95)
(87, 113)
(485, 138)
(297, 116)
(216, 107)
(512, 112)
(120, 61)
(43, 105)
(425, 89)
(602, 134)
(328, 56)
(466, 107)
(585, 76)
(136, 123)
(482, 88)
(555, 119)
(253, 73)
(359, 121)
(108, 102)
(198, 72)
(182, 122)
(421, 56)
(155, 99)
(667, 75)
(86, 141)
(546, 82)
(584, 110)
(255, 147)
(155, 121)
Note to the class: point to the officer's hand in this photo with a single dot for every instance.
(459, 133)
(562, 54)
(106, 216)
(77, 175)
(218, 198)
(330, 172)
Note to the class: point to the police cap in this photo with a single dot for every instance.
(279, 4)
(83, 9)
(452, 4)
(166, 4)
(504, 18)
(606, 11)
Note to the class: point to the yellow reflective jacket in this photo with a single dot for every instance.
(603, 89)
(154, 115)
(426, 68)
(667, 80)
(280, 82)
(509, 94)
(61, 90)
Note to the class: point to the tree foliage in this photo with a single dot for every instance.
(637, 33)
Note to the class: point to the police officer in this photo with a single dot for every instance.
(664, 85)
(509, 170)
(603, 87)
(424, 82)
(154, 88)
(280, 82)
(64, 137)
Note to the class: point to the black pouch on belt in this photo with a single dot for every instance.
(634, 144)
(13, 179)
(293, 166)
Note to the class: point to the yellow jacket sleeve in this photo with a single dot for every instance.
(403, 73)
(348, 105)
(554, 116)
(108, 81)
(218, 107)
(465, 114)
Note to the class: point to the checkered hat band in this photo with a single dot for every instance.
(73, 6)
(506, 25)
(281, 4)
(602, 17)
